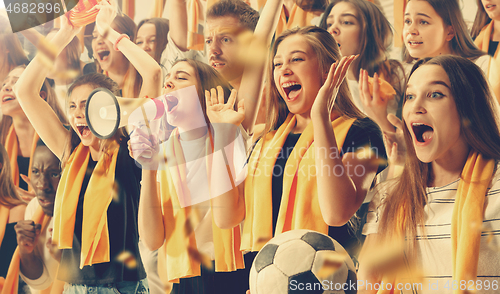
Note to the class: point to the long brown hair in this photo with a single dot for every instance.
(376, 38)
(50, 98)
(11, 44)
(480, 21)
(133, 80)
(461, 44)
(208, 78)
(327, 52)
(8, 194)
(404, 206)
(93, 80)
(162, 28)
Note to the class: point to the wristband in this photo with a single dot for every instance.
(115, 45)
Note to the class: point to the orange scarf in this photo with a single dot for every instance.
(483, 42)
(12, 281)
(468, 210)
(195, 41)
(299, 203)
(297, 18)
(99, 194)
(12, 147)
(179, 262)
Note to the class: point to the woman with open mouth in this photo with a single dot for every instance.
(113, 63)
(443, 210)
(175, 213)
(303, 171)
(95, 213)
(17, 132)
(433, 28)
(359, 27)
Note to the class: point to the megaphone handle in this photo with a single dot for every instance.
(146, 119)
(149, 131)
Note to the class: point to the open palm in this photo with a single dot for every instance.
(220, 112)
(330, 88)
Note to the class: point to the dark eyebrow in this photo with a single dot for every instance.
(440, 83)
(421, 14)
(432, 83)
(181, 71)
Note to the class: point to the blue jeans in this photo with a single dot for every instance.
(140, 287)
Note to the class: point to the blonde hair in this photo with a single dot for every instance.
(327, 52)
(50, 98)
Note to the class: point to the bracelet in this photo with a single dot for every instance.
(115, 45)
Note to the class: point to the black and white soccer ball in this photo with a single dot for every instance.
(291, 262)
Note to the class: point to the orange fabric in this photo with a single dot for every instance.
(129, 8)
(299, 207)
(466, 221)
(467, 218)
(386, 91)
(12, 147)
(175, 253)
(99, 194)
(399, 12)
(297, 18)
(195, 41)
(12, 280)
(483, 42)
(159, 6)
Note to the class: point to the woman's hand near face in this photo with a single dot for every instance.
(219, 112)
(395, 146)
(323, 104)
(105, 16)
(375, 106)
(144, 148)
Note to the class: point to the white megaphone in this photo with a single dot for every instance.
(105, 112)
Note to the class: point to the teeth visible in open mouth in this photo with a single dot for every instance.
(414, 43)
(8, 98)
(81, 128)
(291, 86)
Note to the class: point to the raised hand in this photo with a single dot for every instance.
(69, 30)
(106, 15)
(220, 112)
(323, 104)
(394, 142)
(144, 148)
(27, 235)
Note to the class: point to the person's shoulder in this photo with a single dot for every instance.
(366, 125)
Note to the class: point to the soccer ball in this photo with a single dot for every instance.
(302, 261)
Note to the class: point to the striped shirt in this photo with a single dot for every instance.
(434, 250)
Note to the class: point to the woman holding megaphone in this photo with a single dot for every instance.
(95, 212)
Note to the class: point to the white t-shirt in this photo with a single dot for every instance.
(434, 253)
(50, 265)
